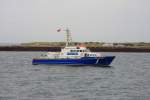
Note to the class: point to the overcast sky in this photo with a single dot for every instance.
(88, 20)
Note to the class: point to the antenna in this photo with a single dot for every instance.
(68, 37)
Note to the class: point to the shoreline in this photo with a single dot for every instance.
(58, 48)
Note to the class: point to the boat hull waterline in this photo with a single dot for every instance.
(104, 61)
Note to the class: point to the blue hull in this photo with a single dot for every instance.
(82, 61)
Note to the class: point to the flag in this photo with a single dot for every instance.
(58, 30)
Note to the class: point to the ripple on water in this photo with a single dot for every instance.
(128, 79)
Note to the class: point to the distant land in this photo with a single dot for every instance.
(93, 46)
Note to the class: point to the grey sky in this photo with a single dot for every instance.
(88, 20)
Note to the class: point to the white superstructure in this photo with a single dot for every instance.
(72, 51)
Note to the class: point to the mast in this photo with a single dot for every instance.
(68, 37)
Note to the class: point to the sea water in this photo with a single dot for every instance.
(128, 78)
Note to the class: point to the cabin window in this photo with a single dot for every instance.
(86, 55)
(71, 50)
(78, 50)
(75, 50)
(72, 53)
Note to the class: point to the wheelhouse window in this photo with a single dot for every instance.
(78, 50)
(73, 51)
